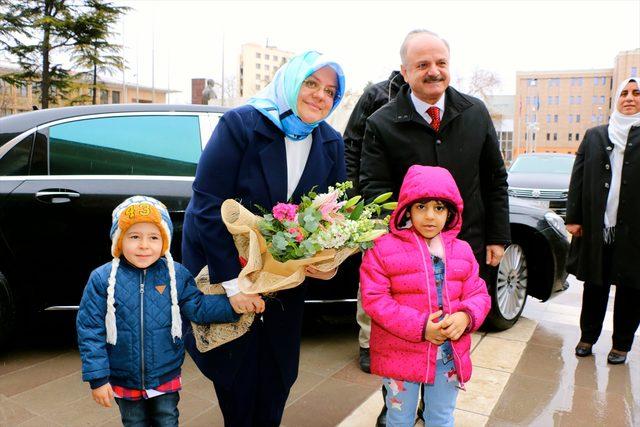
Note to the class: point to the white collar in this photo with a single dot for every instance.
(422, 107)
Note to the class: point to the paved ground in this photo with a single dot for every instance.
(524, 376)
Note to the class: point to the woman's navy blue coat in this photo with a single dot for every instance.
(245, 160)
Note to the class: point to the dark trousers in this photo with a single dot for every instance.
(626, 315)
(159, 411)
(258, 394)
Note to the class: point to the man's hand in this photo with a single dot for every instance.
(454, 325)
(246, 303)
(494, 254)
(574, 229)
(432, 330)
(103, 395)
(313, 272)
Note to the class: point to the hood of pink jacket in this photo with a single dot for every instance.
(428, 182)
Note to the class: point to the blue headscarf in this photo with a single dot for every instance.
(279, 100)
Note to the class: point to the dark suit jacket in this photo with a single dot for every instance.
(245, 160)
(397, 137)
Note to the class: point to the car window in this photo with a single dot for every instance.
(16, 160)
(543, 164)
(127, 145)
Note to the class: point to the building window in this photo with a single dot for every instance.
(534, 118)
(570, 136)
(634, 71)
(258, 55)
(528, 100)
(548, 136)
(266, 56)
(579, 99)
(257, 76)
(593, 118)
(596, 81)
(550, 100)
(23, 90)
(533, 82)
(577, 118)
(258, 66)
(533, 136)
(104, 96)
(275, 58)
(555, 136)
(555, 118)
(548, 118)
(525, 136)
(602, 100)
(594, 99)
(570, 118)
(115, 97)
(266, 67)
(571, 100)
(577, 137)
(604, 80)
(557, 100)
(257, 86)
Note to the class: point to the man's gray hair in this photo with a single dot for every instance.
(403, 48)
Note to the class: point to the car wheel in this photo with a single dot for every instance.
(7, 311)
(510, 291)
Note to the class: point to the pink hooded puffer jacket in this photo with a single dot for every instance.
(399, 292)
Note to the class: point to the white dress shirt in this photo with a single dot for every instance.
(422, 107)
(297, 155)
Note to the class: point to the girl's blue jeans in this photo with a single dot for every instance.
(439, 400)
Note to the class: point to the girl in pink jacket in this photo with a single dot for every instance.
(421, 287)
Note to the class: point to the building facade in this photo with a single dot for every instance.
(258, 64)
(18, 99)
(555, 108)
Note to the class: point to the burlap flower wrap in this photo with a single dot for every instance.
(262, 274)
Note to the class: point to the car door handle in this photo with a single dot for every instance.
(52, 196)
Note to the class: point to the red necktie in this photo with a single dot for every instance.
(434, 113)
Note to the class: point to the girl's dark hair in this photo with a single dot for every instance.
(452, 213)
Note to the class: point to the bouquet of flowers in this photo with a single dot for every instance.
(321, 222)
(323, 230)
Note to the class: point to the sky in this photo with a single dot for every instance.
(190, 39)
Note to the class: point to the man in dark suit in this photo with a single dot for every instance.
(430, 123)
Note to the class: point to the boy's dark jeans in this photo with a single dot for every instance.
(159, 411)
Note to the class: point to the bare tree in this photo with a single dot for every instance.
(483, 83)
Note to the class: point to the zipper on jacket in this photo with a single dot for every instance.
(142, 277)
(455, 353)
(426, 275)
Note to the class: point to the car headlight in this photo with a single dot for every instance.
(555, 221)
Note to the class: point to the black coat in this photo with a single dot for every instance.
(588, 192)
(397, 137)
(373, 98)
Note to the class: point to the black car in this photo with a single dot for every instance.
(63, 170)
(542, 178)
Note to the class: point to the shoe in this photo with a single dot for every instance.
(365, 360)
(583, 349)
(616, 357)
(381, 421)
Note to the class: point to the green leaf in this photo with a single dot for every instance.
(352, 201)
(390, 206)
(355, 215)
(382, 198)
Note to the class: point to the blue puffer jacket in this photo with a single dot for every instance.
(145, 354)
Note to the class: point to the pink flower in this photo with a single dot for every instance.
(297, 234)
(285, 212)
(328, 206)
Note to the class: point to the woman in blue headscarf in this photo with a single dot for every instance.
(274, 149)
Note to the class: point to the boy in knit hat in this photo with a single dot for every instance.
(129, 325)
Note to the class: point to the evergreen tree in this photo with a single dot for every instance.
(38, 34)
